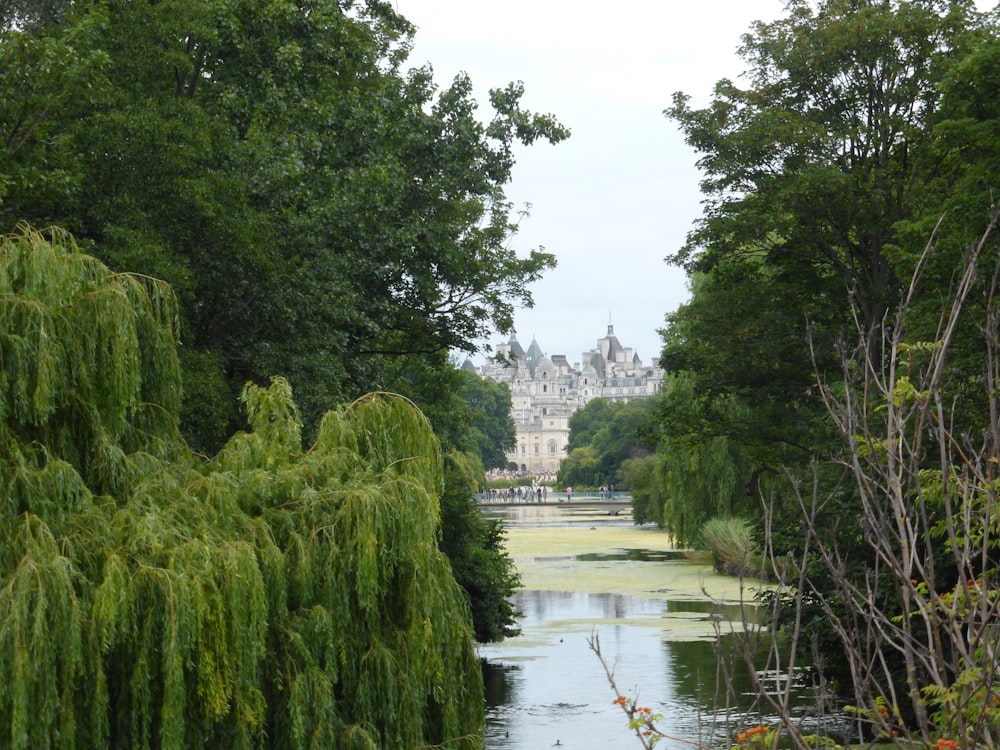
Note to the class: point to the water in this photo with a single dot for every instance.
(656, 626)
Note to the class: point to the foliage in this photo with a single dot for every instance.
(641, 477)
(602, 437)
(471, 418)
(697, 476)
(915, 628)
(825, 169)
(270, 597)
(579, 469)
(320, 210)
(829, 146)
(731, 542)
(816, 172)
(585, 423)
(483, 407)
(475, 548)
(822, 367)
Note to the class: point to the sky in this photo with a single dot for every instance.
(622, 192)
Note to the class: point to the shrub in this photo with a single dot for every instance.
(730, 540)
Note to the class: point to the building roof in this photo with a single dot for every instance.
(516, 350)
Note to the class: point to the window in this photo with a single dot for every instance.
(536, 450)
(552, 447)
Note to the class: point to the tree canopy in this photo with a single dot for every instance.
(856, 155)
(603, 435)
(825, 175)
(320, 210)
(271, 596)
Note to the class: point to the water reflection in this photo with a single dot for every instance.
(554, 515)
(639, 555)
(547, 685)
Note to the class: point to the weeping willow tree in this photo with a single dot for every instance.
(271, 597)
(697, 478)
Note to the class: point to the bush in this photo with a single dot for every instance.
(730, 540)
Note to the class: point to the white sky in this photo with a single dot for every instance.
(622, 192)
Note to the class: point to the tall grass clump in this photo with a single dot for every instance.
(731, 544)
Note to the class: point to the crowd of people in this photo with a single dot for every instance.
(536, 493)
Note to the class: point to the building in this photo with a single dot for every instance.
(545, 391)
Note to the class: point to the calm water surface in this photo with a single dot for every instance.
(547, 688)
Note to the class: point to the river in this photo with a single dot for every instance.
(654, 610)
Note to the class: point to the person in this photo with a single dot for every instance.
(569, 494)
(602, 492)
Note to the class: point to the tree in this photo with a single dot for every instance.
(41, 77)
(579, 468)
(640, 476)
(584, 423)
(813, 172)
(831, 144)
(602, 437)
(471, 414)
(471, 418)
(320, 211)
(269, 597)
(493, 426)
(475, 548)
(913, 632)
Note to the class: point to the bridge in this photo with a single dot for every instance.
(621, 503)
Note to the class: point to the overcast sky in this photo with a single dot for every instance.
(621, 194)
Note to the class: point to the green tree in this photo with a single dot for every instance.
(579, 468)
(824, 176)
(493, 426)
(475, 548)
(584, 423)
(320, 211)
(641, 477)
(622, 438)
(697, 476)
(471, 414)
(602, 437)
(830, 145)
(811, 171)
(270, 597)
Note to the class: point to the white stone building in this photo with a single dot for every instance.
(545, 391)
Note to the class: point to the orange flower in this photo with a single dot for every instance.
(621, 700)
(741, 737)
(944, 744)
